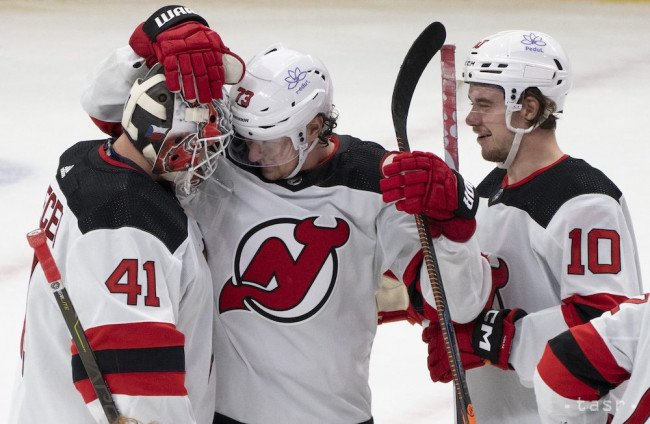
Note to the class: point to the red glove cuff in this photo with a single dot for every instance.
(143, 46)
(456, 229)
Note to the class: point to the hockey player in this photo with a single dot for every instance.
(297, 238)
(580, 366)
(558, 231)
(133, 265)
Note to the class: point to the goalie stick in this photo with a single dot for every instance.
(425, 46)
(38, 241)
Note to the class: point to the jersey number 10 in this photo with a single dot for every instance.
(593, 246)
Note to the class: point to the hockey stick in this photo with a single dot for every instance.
(419, 55)
(450, 132)
(449, 117)
(38, 241)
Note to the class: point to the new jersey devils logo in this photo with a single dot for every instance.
(500, 278)
(285, 269)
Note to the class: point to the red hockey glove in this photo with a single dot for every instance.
(422, 183)
(437, 361)
(486, 340)
(195, 59)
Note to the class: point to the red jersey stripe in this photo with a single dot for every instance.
(113, 129)
(133, 335)
(561, 381)
(598, 354)
(642, 412)
(412, 269)
(602, 302)
(137, 384)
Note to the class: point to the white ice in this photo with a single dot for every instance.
(48, 47)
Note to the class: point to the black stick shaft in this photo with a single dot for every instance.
(419, 55)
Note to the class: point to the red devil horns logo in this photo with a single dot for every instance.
(276, 285)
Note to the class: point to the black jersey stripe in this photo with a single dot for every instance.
(567, 350)
(115, 361)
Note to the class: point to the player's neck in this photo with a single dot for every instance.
(124, 147)
(537, 151)
(319, 155)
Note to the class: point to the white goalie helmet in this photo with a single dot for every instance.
(281, 92)
(515, 61)
(181, 141)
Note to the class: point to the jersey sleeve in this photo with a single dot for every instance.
(590, 250)
(107, 86)
(127, 286)
(580, 366)
(465, 274)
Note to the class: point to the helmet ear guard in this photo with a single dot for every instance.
(182, 142)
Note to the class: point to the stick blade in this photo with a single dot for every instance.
(417, 58)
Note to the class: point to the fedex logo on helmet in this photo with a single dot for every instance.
(167, 15)
(533, 43)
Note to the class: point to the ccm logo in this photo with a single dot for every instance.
(486, 328)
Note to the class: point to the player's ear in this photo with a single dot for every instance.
(314, 127)
(530, 107)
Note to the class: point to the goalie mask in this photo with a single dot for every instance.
(281, 92)
(515, 61)
(182, 142)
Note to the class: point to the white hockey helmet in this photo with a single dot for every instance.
(181, 141)
(517, 60)
(281, 92)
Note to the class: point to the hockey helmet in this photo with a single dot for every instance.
(281, 92)
(181, 141)
(517, 60)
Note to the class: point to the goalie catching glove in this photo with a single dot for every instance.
(193, 56)
(486, 340)
(421, 183)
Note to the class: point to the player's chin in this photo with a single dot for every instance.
(272, 174)
(491, 155)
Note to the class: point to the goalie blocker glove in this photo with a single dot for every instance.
(422, 183)
(486, 340)
(194, 57)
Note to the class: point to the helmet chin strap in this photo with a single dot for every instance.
(303, 151)
(519, 135)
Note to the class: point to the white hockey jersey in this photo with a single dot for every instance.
(295, 266)
(581, 365)
(134, 269)
(564, 242)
